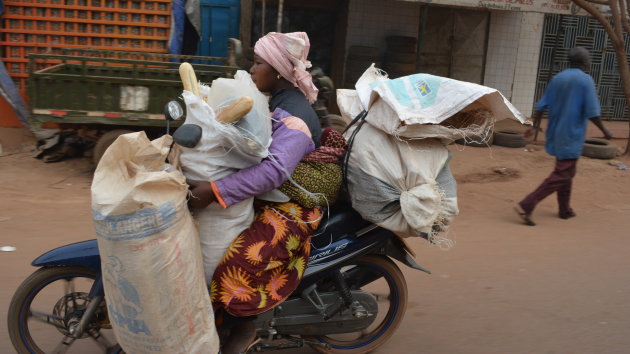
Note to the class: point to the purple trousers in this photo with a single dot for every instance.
(559, 181)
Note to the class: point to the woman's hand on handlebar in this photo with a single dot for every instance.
(201, 194)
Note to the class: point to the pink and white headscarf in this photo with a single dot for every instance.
(287, 52)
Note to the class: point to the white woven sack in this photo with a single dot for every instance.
(152, 270)
(413, 106)
(349, 104)
(412, 168)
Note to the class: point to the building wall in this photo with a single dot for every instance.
(513, 42)
(525, 75)
(512, 58)
(563, 32)
(503, 38)
(371, 21)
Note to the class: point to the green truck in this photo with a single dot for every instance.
(103, 94)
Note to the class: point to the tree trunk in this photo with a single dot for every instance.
(624, 71)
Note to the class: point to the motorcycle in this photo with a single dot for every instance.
(352, 297)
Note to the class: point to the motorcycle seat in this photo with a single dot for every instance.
(339, 221)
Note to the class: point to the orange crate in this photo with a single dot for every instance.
(47, 26)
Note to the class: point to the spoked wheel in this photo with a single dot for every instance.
(383, 279)
(46, 308)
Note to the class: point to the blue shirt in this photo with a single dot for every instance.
(572, 100)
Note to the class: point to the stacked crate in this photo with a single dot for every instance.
(50, 26)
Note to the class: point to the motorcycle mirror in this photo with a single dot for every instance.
(188, 135)
(173, 111)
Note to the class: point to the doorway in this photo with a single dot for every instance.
(454, 43)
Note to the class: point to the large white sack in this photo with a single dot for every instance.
(349, 104)
(419, 105)
(403, 186)
(223, 150)
(153, 276)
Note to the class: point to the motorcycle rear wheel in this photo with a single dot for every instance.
(384, 326)
(47, 304)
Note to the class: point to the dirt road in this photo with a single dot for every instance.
(560, 287)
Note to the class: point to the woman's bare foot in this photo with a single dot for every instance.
(241, 336)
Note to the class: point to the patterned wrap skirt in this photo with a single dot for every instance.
(266, 262)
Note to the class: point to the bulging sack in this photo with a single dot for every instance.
(150, 257)
(403, 186)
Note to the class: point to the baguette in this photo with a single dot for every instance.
(236, 110)
(230, 114)
(189, 79)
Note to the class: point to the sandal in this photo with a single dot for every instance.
(524, 216)
(251, 345)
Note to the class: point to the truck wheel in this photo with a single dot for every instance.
(509, 138)
(599, 149)
(105, 141)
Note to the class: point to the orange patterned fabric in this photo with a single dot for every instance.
(265, 263)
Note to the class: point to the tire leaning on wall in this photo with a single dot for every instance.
(599, 149)
(477, 140)
(509, 138)
(336, 122)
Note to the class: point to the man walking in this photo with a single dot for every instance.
(572, 101)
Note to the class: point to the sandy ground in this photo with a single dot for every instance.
(559, 287)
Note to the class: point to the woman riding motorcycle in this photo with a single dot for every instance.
(265, 263)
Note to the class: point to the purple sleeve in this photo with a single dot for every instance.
(287, 148)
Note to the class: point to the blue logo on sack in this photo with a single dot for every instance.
(423, 87)
(143, 223)
(125, 309)
(426, 87)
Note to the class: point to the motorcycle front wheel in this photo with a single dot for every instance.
(48, 304)
(379, 276)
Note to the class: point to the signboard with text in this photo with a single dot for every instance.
(565, 7)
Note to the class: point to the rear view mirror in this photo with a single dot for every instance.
(173, 111)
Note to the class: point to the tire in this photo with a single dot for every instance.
(326, 82)
(105, 141)
(509, 138)
(599, 149)
(385, 328)
(476, 140)
(39, 294)
(336, 122)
